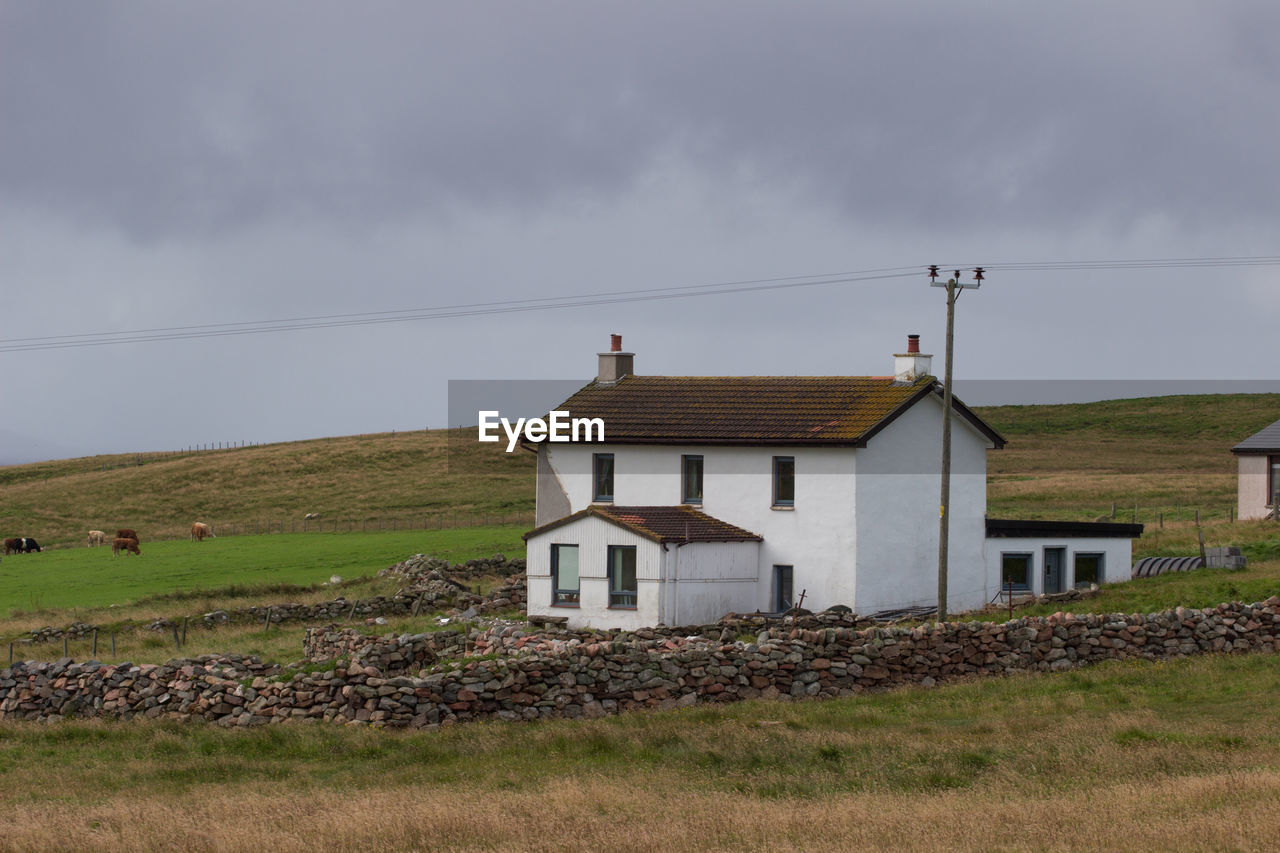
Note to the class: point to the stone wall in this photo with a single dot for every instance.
(531, 676)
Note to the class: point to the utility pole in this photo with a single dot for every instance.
(953, 286)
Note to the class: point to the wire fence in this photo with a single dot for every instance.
(450, 520)
(117, 461)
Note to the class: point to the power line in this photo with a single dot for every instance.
(444, 312)
(580, 300)
(1146, 263)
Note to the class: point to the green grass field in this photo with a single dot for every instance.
(93, 578)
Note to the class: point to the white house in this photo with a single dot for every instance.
(1258, 477)
(717, 494)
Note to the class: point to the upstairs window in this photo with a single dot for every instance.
(784, 481)
(565, 585)
(623, 588)
(602, 477)
(691, 479)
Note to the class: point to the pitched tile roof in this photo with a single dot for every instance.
(660, 523)
(1265, 440)
(790, 410)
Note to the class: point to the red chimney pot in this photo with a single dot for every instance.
(913, 343)
(615, 343)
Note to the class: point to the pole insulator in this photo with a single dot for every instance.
(933, 272)
(977, 274)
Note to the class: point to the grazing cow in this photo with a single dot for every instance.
(200, 530)
(13, 546)
(96, 537)
(126, 533)
(311, 516)
(30, 546)
(126, 545)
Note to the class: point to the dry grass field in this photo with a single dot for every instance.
(1179, 756)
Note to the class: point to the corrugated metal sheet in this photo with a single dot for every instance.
(1149, 567)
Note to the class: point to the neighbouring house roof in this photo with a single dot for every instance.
(1008, 528)
(659, 523)
(747, 410)
(1265, 440)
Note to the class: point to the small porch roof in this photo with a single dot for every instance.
(661, 524)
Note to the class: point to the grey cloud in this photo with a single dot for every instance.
(173, 118)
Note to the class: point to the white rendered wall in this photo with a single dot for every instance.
(1117, 561)
(816, 535)
(1252, 486)
(898, 491)
(593, 536)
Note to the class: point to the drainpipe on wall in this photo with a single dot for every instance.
(675, 581)
(673, 584)
(662, 590)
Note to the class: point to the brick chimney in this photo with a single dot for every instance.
(615, 363)
(911, 365)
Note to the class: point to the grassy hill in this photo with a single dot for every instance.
(408, 476)
(1167, 455)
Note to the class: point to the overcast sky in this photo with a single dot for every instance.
(175, 164)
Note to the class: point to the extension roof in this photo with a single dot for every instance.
(1015, 528)
(1265, 440)
(660, 523)
(752, 410)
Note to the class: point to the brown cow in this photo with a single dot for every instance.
(96, 537)
(200, 530)
(13, 546)
(126, 545)
(126, 533)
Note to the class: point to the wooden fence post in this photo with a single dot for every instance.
(95, 642)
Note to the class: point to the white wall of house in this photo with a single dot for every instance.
(898, 485)
(816, 535)
(593, 536)
(690, 584)
(1251, 485)
(1117, 557)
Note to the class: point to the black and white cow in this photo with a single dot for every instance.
(30, 545)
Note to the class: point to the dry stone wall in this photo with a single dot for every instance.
(595, 674)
